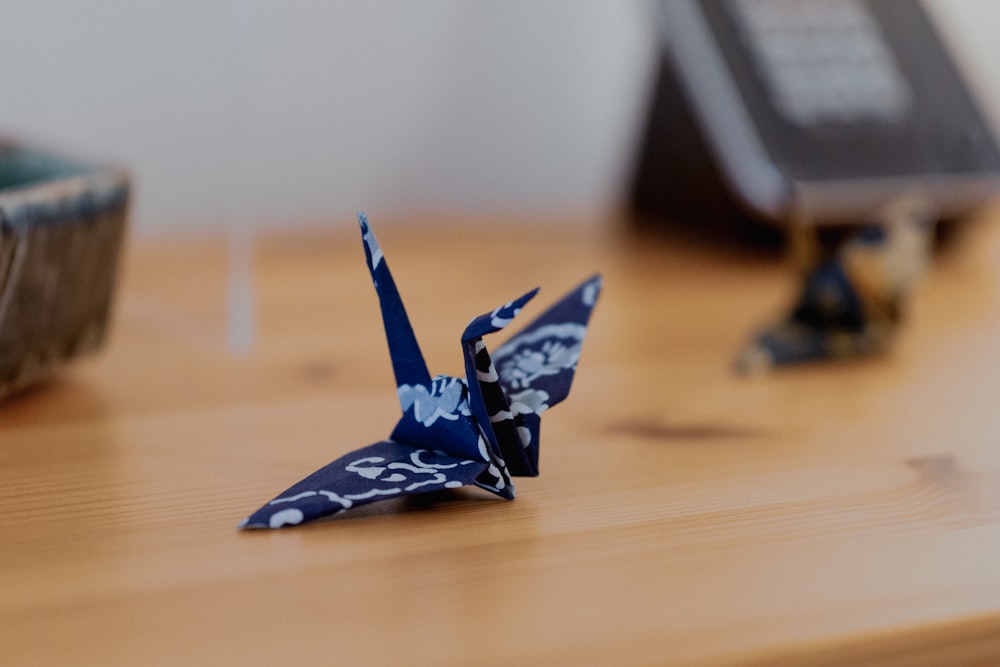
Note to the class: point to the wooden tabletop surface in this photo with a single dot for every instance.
(831, 514)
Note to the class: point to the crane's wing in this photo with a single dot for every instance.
(384, 470)
(536, 366)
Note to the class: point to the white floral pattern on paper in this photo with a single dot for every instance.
(590, 292)
(502, 316)
(344, 502)
(447, 399)
(373, 247)
(529, 400)
(559, 350)
(289, 517)
(418, 473)
(405, 476)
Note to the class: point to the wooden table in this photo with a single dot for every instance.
(684, 515)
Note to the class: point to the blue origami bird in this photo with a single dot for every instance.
(479, 430)
(851, 300)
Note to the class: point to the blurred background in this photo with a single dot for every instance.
(301, 112)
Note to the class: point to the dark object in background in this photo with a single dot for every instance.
(812, 112)
(851, 302)
(61, 228)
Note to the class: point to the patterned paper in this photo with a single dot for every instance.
(479, 430)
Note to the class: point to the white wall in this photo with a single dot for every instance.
(972, 30)
(307, 110)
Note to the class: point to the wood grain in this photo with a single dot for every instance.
(836, 514)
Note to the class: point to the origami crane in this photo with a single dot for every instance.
(479, 430)
(851, 302)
